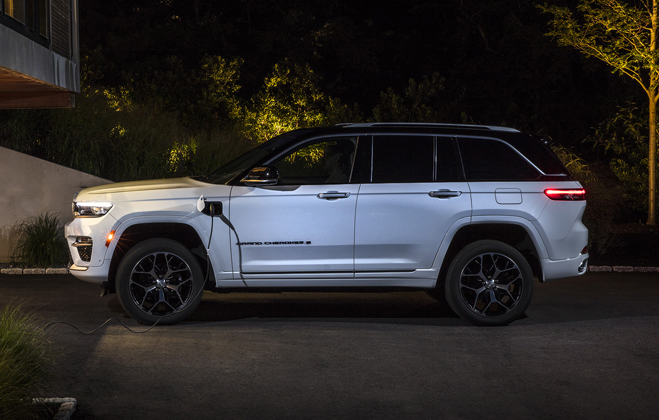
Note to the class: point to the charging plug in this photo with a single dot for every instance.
(213, 208)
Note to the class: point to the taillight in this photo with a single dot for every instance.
(577, 194)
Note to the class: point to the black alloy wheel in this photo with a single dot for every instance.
(159, 280)
(489, 283)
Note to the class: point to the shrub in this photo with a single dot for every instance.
(604, 199)
(623, 139)
(24, 363)
(39, 241)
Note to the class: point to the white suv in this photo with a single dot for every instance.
(471, 214)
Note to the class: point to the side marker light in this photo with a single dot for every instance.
(109, 239)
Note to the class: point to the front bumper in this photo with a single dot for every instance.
(86, 238)
(97, 275)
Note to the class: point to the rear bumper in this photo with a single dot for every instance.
(557, 269)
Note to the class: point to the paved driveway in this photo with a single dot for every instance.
(588, 348)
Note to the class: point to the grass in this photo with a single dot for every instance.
(39, 242)
(24, 364)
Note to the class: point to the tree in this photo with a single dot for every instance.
(622, 34)
(289, 99)
(421, 102)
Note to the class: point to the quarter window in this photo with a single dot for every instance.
(492, 160)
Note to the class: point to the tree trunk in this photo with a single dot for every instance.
(652, 165)
(652, 94)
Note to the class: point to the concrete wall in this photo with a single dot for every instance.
(30, 186)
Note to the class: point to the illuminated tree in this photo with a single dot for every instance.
(622, 34)
(289, 99)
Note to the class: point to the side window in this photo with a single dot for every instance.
(491, 160)
(448, 161)
(325, 162)
(403, 159)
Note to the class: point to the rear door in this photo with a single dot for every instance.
(413, 194)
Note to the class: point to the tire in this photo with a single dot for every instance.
(159, 280)
(489, 283)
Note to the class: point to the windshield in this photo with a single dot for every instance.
(235, 167)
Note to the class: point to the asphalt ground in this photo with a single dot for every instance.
(587, 348)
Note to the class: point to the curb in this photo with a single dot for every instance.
(66, 409)
(622, 269)
(40, 271)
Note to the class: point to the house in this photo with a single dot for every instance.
(39, 53)
(39, 68)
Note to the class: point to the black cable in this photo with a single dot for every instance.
(208, 261)
(51, 324)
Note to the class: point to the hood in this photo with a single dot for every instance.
(133, 186)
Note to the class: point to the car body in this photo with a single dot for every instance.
(387, 205)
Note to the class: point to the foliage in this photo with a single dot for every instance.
(206, 152)
(111, 135)
(337, 112)
(622, 35)
(605, 202)
(421, 102)
(289, 99)
(221, 85)
(623, 139)
(39, 241)
(616, 32)
(24, 363)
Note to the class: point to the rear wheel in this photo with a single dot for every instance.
(489, 283)
(159, 280)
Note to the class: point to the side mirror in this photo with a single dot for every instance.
(261, 176)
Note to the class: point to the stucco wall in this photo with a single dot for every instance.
(30, 186)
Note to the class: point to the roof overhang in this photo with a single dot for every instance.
(20, 91)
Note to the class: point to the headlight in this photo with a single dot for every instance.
(91, 208)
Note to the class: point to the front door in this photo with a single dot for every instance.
(304, 226)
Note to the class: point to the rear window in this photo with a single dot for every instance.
(537, 150)
(494, 160)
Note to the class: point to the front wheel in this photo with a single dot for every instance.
(489, 283)
(159, 280)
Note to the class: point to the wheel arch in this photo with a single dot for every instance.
(140, 232)
(515, 235)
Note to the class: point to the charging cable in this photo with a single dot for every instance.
(52, 324)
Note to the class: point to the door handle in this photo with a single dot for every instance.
(445, 194)
(333, 195)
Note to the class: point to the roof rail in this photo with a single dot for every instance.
(407, 124)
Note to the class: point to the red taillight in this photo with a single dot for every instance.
(577, 194)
